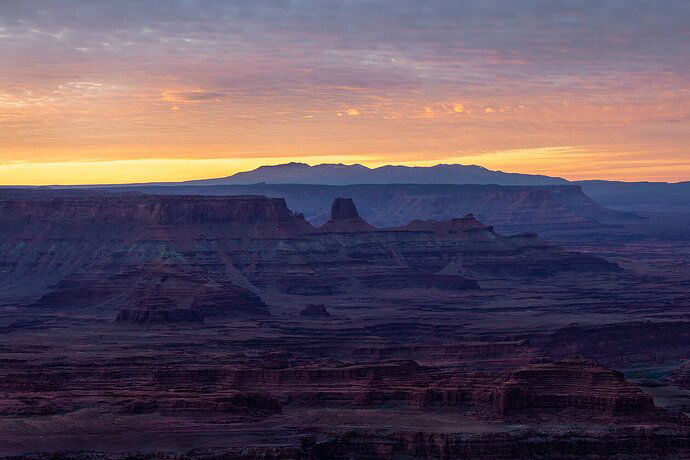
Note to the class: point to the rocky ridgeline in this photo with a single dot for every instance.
(564, 391)
(85, 246)
(578, 405)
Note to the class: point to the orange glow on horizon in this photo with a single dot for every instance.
(563, 162)
(162, 97)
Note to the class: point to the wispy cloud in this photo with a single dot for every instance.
(419, 79)
(192, 96)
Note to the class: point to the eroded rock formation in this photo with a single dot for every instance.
(345, 218)
(415, 361)
(84, 246)
(154, 293)
(575, 388)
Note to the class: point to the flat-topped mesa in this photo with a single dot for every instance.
(82, 245)
(243, 212)
(446, 228)
(345, 218)
(344, 208)
(573, 388)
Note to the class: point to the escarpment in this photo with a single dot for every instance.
(574, 388)
(81, 246)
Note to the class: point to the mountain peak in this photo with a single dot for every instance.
(291, 165)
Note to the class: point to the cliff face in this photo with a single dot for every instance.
(79, 245)
(564, 409)
(345, 218)
(579, 388)
(507, 208)
(250, 213)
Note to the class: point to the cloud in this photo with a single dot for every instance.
(428, 113)
(191, 96)
(621, 65)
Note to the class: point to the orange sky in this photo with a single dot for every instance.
(113, 92)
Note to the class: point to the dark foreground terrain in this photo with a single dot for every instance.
(230, 327)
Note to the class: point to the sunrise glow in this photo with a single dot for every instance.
(117, 95)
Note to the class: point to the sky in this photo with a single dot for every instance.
(119, 91)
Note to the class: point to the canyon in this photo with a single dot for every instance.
(509, 209)
(230, 326)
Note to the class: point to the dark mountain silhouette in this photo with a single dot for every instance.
(340, 174)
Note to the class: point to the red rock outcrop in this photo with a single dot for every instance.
(446, 229)
(451, 370)
(575, 388)
(345, 218)
(244, 215)
(253, 242)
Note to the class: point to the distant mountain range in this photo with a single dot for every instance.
(628, 196)
(340, 174)
(622, 196)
